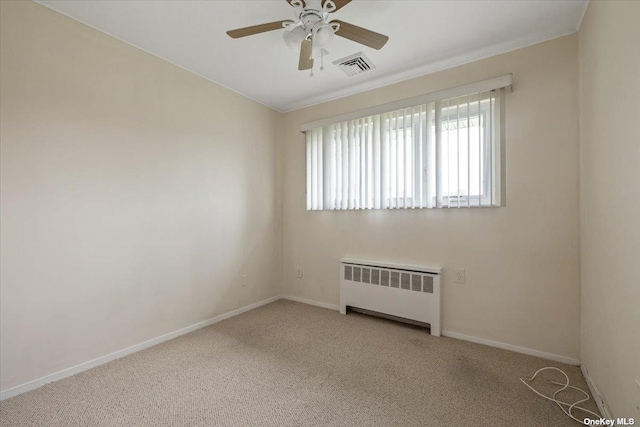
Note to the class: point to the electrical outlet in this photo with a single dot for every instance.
(243, 281)
(458, 275)
(299, 272)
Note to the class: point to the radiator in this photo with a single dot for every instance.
(405, 291)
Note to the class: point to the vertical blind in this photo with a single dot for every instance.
(442, 154)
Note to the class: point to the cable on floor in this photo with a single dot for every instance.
(560, 403)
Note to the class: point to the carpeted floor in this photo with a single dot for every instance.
(290, 364)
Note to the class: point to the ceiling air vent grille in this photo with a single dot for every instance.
(355, 64)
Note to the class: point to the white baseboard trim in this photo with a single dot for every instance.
(456, 335)
(31, 385)
(312, 302)
(511, 347)
(593, 388)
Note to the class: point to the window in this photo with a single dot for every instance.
(440, 154)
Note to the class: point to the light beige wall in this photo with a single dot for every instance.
(134, 196)
(610, 208)
(522, 261)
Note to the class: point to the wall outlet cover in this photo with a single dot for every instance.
(459, 275)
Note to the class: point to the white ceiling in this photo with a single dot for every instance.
(424, 36)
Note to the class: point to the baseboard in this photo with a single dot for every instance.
(31, 385)
(312, 302)
(593, 388)
(511, 347)
(456, 335)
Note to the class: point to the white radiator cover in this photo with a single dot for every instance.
(408, 291)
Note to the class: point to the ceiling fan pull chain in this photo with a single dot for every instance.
(322, 60)
(311, 57)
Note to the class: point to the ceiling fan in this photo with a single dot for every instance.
(311, 30)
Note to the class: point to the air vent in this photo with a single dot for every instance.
(416, 282)
(375, 277)
(366, 273)
(395, 279)
(406, 280)
(427, 284)
(348, 272)
(355, 64)
(385, 278)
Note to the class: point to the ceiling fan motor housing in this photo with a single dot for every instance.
(311, 12)
(309, 18)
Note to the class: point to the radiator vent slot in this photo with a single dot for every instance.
(416, 282)
(366, 275)
(356, 274)
(395, 279)
(348, 272)
(375, 276)
(427, 284)
(406, 281)
(357, 63)
(385, 278)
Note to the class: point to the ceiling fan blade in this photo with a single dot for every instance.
(339, 3)
(302, 1)
(361, 35)
(305, 63)
(256, 29)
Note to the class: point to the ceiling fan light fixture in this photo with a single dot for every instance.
(294, 37)
(322, 35)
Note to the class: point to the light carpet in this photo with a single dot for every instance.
(291, 364)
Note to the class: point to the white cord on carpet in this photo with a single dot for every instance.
(560, 403)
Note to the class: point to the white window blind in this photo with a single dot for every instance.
(442, 154)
